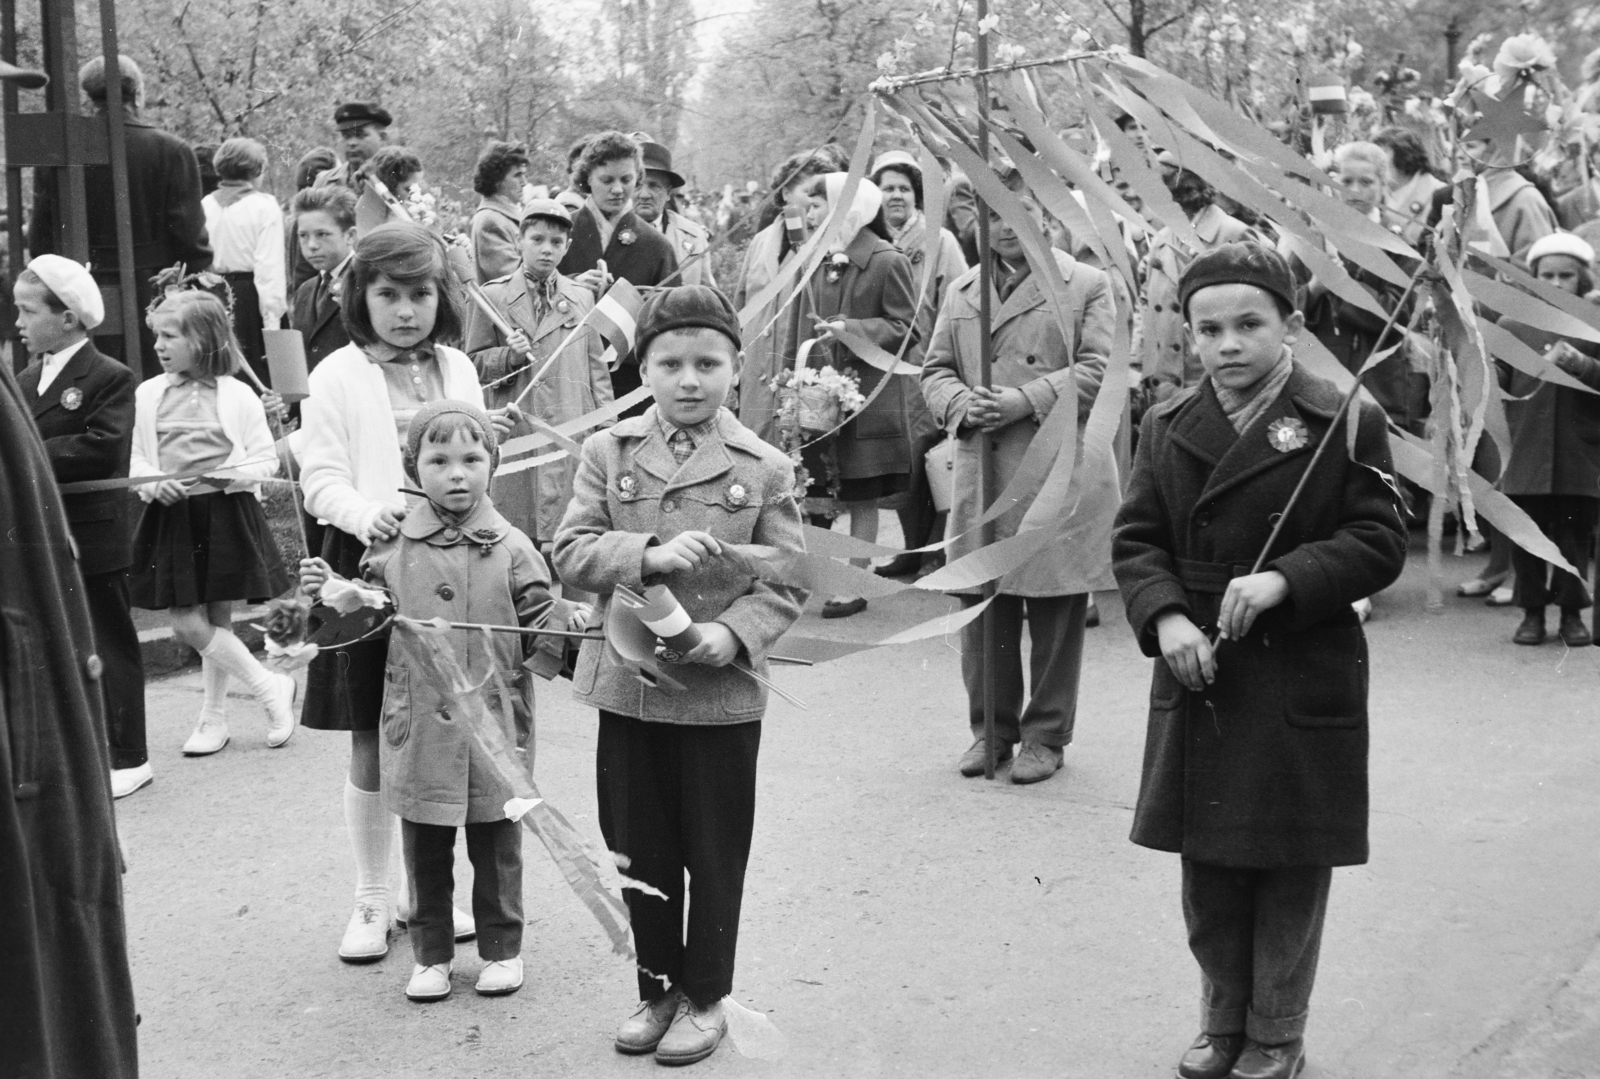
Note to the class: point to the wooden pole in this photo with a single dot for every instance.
(128, 305)
(986, 490)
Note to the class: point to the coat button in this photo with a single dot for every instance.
(446, 593)
(93, 668)
(1204, 520)
(452, 534)
(669, 506)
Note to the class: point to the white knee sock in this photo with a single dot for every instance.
(230, 653)
(371, 835)
(215, 680)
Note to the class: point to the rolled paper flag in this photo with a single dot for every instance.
(286, 363)
(664, 616)
(1326, 92)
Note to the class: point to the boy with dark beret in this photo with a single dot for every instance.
(656, 499)
(1255, 765)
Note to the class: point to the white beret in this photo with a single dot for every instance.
(1561, 243)
(73, 286)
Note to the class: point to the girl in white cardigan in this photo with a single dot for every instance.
(204, 544)
(400, 305)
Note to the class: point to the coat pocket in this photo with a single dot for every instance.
(396, 706)
(1325, 678)
(26, 703)
(1166, 692)
(741, 694)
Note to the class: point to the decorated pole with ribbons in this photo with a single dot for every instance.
(986, 378)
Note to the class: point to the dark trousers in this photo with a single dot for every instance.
(916, 510)
(673, 798)
(495, 850)
(116, 641)
(1055, 626)
(1569, 521)
(1256, 934)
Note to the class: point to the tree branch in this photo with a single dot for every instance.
(194, 59)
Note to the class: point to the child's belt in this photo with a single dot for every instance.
(1211, 577)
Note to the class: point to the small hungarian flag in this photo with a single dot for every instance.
(616, 315)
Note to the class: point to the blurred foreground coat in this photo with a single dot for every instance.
(1268, 767)
(66, 995)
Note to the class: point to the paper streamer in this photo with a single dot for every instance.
(824, 649)
(752, 1033)
(427, 652)
(527, 443)
(228, 472)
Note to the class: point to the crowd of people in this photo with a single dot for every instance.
(414, 385)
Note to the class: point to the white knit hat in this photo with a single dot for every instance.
(1561, 243)
(73, 286)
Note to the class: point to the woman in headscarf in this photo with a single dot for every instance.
(864, 287)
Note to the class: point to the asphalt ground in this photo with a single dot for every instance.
(900, 920)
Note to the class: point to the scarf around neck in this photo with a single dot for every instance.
(229, 192)
(1244, 407)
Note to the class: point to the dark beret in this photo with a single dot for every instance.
(1238, 264)
(682, 308)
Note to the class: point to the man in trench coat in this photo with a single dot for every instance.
(1051, 367)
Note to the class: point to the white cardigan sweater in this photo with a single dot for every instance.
(350, 465)
(243, 420)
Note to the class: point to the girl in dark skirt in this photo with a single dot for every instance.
(400, 309)
(203, 545)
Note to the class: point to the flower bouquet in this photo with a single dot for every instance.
(816, 400)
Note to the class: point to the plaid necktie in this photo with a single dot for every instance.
(681, 445)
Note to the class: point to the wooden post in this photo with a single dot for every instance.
(986, 491)
(61, 63)
(128, 305)
(8, 99)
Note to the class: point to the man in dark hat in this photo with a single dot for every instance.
(164, 195)
(653, 203)
(363, 131)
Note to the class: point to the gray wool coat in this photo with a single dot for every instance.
(1268, 767)
(630, 493)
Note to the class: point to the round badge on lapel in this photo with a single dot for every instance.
(737, 495)
(71, 398)
(627, 486)
(563, 306)
(626, 237)
(1287, 434)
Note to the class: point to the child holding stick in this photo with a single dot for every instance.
(655, 499)
(1255, 767)
(200, 547)
(455, 557)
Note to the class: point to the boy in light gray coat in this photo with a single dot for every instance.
(655, 500)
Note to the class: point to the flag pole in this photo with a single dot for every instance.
(985, 377)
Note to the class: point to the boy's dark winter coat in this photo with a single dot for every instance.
(1268, 767)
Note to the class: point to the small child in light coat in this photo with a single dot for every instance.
(456, 558)
(655, 500)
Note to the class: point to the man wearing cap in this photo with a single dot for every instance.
(82, 404)
(653, 203)
(899, 178)
(543, 307)
(169, 225)
(363, 131)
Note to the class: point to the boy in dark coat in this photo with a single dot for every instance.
(324, 227)
(1255, 767)
(82, 404)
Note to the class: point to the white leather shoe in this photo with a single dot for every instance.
(500, 977)
(209, 736)
(124, 781)
(280, 710)
(429, 983)
(366, 938)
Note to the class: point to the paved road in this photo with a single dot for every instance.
(902, 921)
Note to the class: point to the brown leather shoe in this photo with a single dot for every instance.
(1574, 634)
(1532, 629)
(1270, 1061)
(1212, 1056)
(972, 759)
(641, 1032)
(1036, 763)
(694, 1035)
